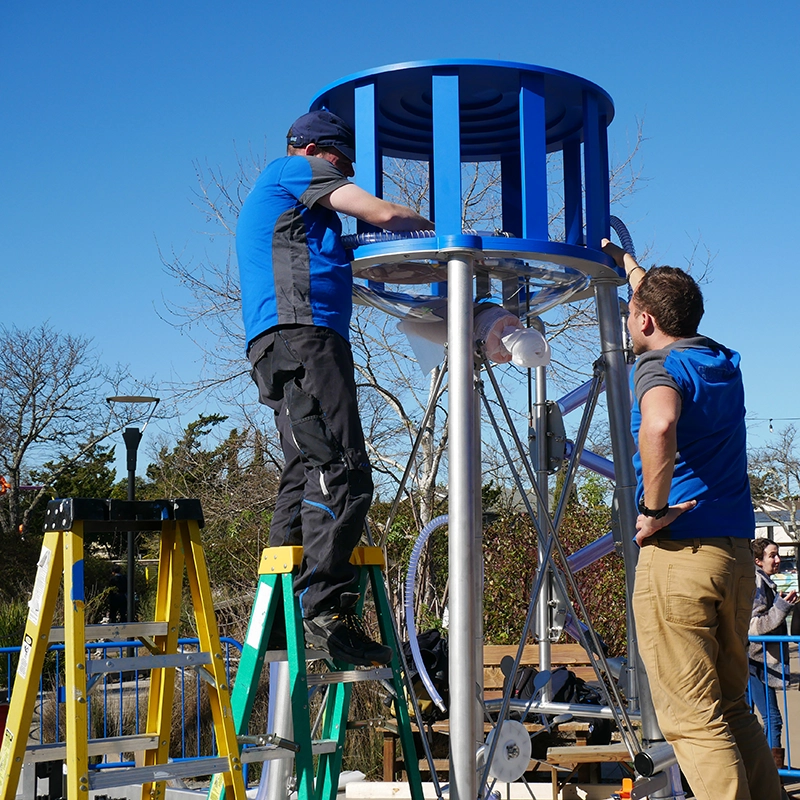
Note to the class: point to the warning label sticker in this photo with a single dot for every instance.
(259, 616)
(39, 586)
(24, 657)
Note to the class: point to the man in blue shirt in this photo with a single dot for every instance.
(695, 577)
(296, 287)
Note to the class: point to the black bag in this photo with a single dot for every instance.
(434, 652)
(566, 687)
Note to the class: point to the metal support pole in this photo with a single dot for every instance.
(542, 509)
(465, 715)
(275, 783)
(131, 437)
(477, 631)
(619, 420)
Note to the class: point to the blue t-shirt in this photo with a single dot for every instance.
(711, 463)
(293, 269)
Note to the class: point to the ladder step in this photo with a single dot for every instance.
(119, 632)
(97, 747)
(161, 772)
(350, 676)
(283, 655)
(100, 666)
(252, 755)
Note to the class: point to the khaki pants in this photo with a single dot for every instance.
(692, 604)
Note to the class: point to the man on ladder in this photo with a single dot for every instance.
(296, 287)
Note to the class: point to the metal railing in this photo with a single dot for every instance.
(117, 702)
(781, 671)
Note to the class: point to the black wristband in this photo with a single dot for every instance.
(649, 512)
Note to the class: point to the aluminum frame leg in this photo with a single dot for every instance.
(542, 509)
(275, 786)
(464, 484)
(619, 420)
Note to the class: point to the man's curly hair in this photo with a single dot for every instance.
(673, 299)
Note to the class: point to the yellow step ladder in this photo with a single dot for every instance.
(66, 522)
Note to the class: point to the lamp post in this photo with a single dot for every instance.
(132, 437)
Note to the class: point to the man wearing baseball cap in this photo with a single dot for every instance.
(296, 288)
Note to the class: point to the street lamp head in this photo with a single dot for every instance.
(136, 398)
(132, 398)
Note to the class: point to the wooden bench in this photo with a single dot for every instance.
(561, 655)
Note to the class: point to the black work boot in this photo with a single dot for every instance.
(340, 632)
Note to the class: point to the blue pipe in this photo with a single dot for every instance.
(602, 466)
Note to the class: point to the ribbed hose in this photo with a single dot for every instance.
(411, 627)
(624, 236)
(357, 239)
(626, 241)
(354, 240)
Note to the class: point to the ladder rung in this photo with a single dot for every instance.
(100, 666)
(351, 676)
(252, 755)
(283, 655)
(160, 772)
(97, 747)
(118, 632)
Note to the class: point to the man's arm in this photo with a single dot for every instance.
(356, 202)
(658, 446)
(626, 261)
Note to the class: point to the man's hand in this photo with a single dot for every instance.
(790, 597)
(647, 526)
(626, 261)
(613, 250)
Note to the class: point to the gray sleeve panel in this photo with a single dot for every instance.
(324, 179)
(650, 372)
(291, 269)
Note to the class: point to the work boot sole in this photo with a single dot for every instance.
(357, 658)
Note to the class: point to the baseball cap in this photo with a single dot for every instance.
(323, 128)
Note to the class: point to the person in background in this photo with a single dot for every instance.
(769, 669)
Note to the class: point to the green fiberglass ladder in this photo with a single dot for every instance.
(275, 591)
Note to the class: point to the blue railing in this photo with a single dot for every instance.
(782, 671)
(115, 706)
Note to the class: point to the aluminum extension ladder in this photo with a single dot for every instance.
(275, 588)
(66, 522)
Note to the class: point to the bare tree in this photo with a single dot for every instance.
(389, 378)
(52, 405)
(212, 315)
(236, 483)
(775, 481)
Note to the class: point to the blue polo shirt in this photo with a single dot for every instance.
(711, 463)
(293, 269)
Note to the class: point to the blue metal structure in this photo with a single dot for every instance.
(447, 113)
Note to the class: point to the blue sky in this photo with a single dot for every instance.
(107, 107)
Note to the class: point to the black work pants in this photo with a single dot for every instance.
(305, 374)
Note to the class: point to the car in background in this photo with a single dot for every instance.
(786, 579)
